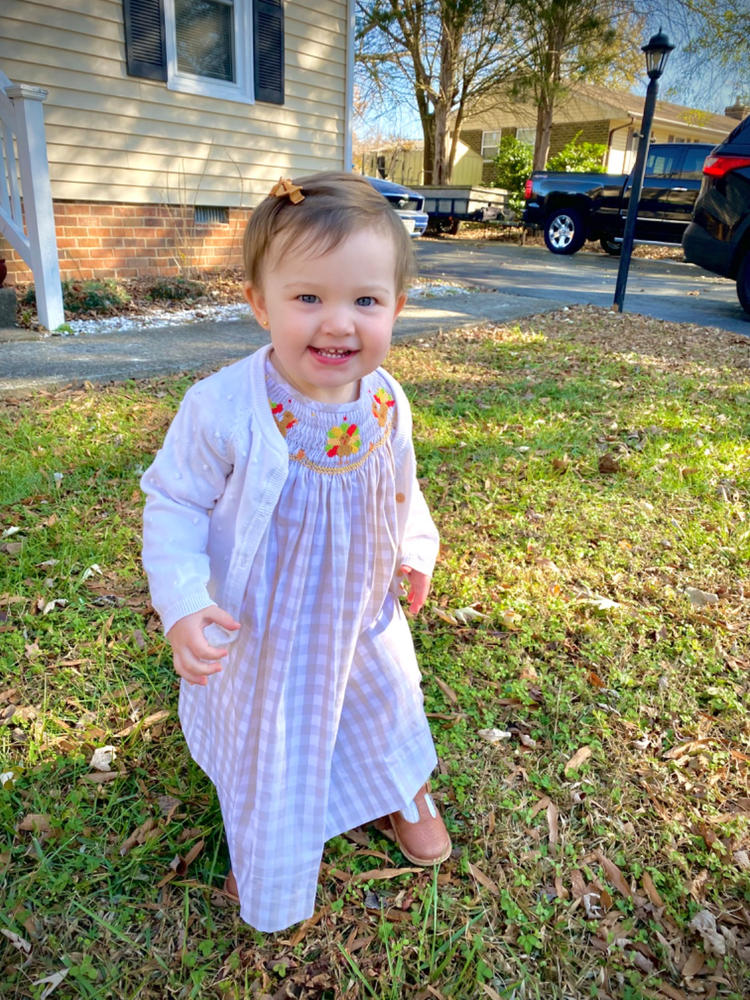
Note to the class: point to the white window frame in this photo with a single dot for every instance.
(486, 145)
(241, 90)
(527, 136)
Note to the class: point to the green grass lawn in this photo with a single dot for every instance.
(590, 476)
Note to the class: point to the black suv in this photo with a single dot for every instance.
(718, 238)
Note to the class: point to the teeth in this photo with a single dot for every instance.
(330, 353)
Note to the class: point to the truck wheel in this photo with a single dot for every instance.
(610, 246)
(564, 232)
(440, 224)
(743, 282)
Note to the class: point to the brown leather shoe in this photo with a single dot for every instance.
(418, 830)
(230, 886)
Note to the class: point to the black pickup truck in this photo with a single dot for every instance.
(572, 208)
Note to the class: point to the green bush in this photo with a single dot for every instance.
(176, 288)
(577, 157)
(512, 168)
(88, 296)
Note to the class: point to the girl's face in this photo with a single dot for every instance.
(330, 316)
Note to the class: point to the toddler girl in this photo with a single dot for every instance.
(282, 512)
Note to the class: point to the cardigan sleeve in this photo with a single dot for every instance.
(419, 542)
(182, 486)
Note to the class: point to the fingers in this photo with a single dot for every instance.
(419, 588)
(214, 613)
(196, 670)
(198, 643)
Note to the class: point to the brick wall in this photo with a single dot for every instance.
(99, 240)
(593, 131)
(473, 139)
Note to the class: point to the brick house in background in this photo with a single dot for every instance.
(601, 115)
(167, 120)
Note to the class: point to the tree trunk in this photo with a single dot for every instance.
(457, 123)
(441, 129)
(543, 131)
(428, 151)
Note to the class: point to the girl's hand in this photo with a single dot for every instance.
(419, 587)
(193, 656)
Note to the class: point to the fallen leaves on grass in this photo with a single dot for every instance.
(35, 823)
(146, 831)
(580, 757)
(16, 940)
(51, 983)
(461, 616)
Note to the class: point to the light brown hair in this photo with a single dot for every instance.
(335, 205)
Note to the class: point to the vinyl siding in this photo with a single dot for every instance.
(112, 137)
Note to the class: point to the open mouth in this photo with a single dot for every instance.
(330, 352)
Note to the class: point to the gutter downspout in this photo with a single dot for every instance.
(348, 163)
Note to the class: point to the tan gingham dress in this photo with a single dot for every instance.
(316, 723)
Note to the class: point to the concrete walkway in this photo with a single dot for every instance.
(29, 362)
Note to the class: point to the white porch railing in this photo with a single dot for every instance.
(26, 195)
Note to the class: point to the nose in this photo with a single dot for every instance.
(338, 319)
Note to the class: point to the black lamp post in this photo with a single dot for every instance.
(657, 52)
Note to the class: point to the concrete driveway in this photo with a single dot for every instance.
(665, 289)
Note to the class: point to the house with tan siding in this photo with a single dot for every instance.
(593, 113)
(168, 120)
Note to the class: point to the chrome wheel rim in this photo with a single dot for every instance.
(561, 232)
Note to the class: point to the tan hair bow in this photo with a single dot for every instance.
(285, 189)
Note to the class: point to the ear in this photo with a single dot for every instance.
(257, 303)
(400, 303)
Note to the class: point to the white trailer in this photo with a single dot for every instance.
(448, 206)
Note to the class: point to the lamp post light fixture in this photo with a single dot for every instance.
(657, 52)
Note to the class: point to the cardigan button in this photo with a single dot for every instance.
(400, 498)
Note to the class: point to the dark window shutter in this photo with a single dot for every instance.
(145, 49)
(268, 21)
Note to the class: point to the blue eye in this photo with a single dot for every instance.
(308, 299)
(366, 300)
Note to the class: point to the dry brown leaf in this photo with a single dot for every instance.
(180, 865)
(670, 991)
(581, 755)
(651, 891)
(492, 994)
(433, 991)
(484, 880)
(448, 691)
(307, 925)
(689, 747)
(139, 836)
(539, 805)
(614, 875)
(35, 823)
(379, 874)
(100, 777)
(562, 892)
(146, 723)
(552, 814)
(609, 463)
(696, 961)
(168, 805)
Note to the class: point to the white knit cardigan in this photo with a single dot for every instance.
(214, 484)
